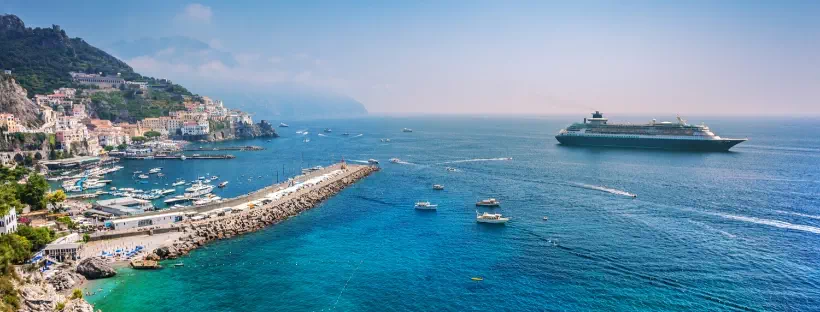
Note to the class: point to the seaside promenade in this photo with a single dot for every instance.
(153, 237)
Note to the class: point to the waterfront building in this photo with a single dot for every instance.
(62, 252)
(131, 130)
(123, 206)
(193, 128)
(143, 221)
(8, 224)
(139, 84)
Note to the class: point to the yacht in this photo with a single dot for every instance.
(406, 130)
(155, 170)
(438, 187)
(143, 176)
(223, 184)
(494, 218)
(207, 200)
(425, 206)
(178, 183)
(199, 189)
(283, 125)
(372, 161)
(490, 202)
(395, 160)
(160, 174)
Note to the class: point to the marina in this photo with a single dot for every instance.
(181, 157)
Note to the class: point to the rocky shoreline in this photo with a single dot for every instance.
(200, 233)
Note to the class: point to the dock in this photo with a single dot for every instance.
(226, 148)
(86, 195)
(179, 157)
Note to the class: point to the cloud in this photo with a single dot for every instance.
(215, 44)
(196, 12)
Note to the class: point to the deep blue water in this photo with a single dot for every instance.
(708, 231)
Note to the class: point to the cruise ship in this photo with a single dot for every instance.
(667, 135)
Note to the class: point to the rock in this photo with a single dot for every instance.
(38, 297)
(65, 280)
(78, 305)
(94, 268)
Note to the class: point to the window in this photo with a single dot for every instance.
(142, 223)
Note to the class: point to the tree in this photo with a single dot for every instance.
(138, 139)
(34, 191)
(14, 249)
(39, 237)
(9, 199)
(122, 147)
(108, 148)
(152, 134)
(68, 222)
(55, 197)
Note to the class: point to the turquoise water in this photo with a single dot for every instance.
(713, 231)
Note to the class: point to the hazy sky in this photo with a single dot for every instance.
(479, 57)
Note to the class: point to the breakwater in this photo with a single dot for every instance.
(196, 234)
(226, 148)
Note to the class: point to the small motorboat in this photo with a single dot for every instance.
(425, 206)
(438, 187)
(546, 218)
(328, 130)
(283, 125)
(477, 279)
(451, 169)
(180, 264)
(143, 176)
(223, 184)
(406, 130)
(372, 161)
(490, 202)
(345, 134)
(395, 160)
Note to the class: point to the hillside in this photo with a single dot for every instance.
(41, 59)
(13, 100)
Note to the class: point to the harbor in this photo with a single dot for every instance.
(182, 157)
(231, 217)
(226, 148)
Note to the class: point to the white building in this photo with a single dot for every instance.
(153, 220)
(192, 128)
(9, 222)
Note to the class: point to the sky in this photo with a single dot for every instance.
(474, 57)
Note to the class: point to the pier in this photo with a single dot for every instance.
(226, 148)
(253, 217)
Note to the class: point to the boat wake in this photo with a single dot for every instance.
(474, 160)
(798, 214)
(604, 189)
(358, 135)
(769, 222)
(322, 135)
(359, 161)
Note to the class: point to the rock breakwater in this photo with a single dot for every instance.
(199, 233)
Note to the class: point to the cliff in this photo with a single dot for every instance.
(13, 100)
(261, 129)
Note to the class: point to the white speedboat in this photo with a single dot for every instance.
(425, 206)
(438, 187)
(223, 184)
(207, 200)
(406, 130)
(155, 170)
(143, 176)
(494, 218)
(178, 183)
(283, 125)
(490, 202)
(395, 160)
(451, 169)
(372, 161)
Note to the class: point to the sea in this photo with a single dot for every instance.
(729, 231)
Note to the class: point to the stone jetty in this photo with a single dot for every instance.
(196, 234)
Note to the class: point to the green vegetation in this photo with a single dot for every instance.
(34, 191)
(67, 221)
(86, 238)
(60, 306)
(152, 134)
(108, 148)
(122, 147)
(38, 237)
(15, 195)
(138, 139)
(55, 198)
(76, 294)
